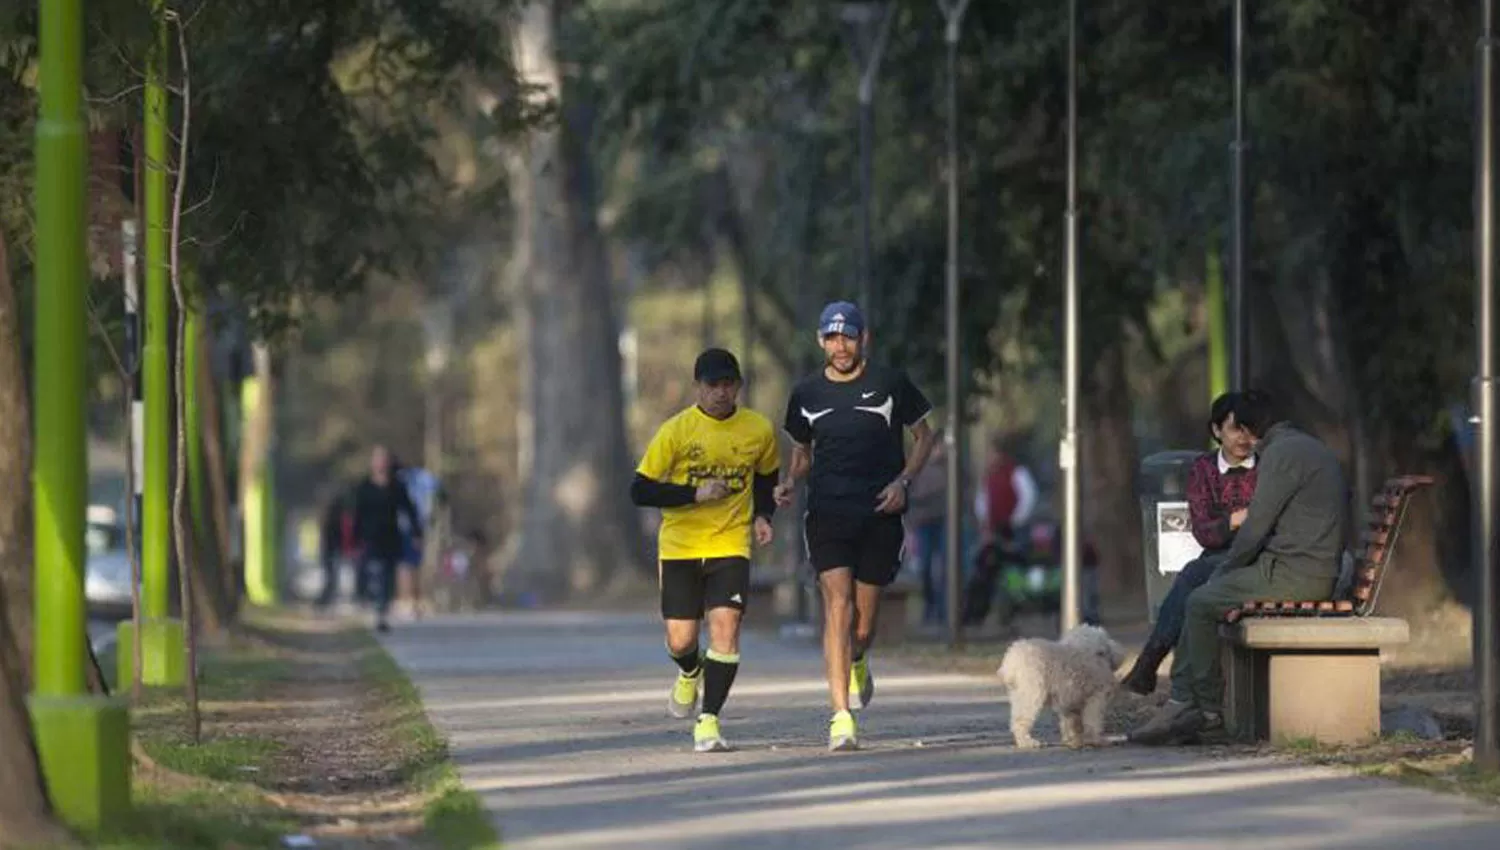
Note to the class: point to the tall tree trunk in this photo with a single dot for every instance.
(24, 813)
(216, 471)
(578, 530)
(1110, 459)
(16, 574)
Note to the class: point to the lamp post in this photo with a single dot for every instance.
(953, 15)
(871, 23)
(1487, 407)
(1238, 303)
(1068, 450)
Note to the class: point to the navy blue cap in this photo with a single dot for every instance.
(841, 317)
(716, 364)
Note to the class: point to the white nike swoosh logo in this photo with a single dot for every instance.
(883, 410)
(812, 417)
(867, 395)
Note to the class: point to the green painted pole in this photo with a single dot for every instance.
(1218, 331)
(156, 527)
(82, 740)
(256, 503)
(163, 642)
(60, 476)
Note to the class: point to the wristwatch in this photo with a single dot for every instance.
(904, 482)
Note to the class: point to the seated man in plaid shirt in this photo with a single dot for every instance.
(1220, 484)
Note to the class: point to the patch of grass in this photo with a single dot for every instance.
(453, 817)
(1302, 746)
(204, 818)
(239, 673)
(223, 759)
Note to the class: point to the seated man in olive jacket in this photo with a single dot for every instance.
(1289, 547)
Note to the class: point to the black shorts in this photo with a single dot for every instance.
(867, 544)
(691, 586)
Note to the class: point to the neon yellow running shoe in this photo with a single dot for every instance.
(861, 684)
(683, 700)
(842, 734)
(706, 737)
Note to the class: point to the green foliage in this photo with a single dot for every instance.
(1360, 121)
(313, 156)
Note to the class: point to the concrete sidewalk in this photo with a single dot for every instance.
(558, 722)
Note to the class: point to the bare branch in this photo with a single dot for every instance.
(114, 353)
(213, 185)
(185, 562)
(214, 243)
(119, 53)
(117, 96)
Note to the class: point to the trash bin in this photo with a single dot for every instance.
(1167, 533)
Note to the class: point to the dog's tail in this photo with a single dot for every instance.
(1012, 662)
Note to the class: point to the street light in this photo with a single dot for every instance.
(1487, 407)
(1068, 450)
(1238, 303)
(871, 23)
(953, 15)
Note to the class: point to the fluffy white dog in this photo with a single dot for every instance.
(1073, 676)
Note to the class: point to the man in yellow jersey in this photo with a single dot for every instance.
(712, 470)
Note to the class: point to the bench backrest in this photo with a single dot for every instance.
(1356, 594)
(1378, 539)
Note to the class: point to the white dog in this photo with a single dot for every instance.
(1074, 676)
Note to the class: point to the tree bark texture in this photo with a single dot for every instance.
(25, 817)
(579, 533)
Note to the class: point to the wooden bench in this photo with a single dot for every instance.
(1310, 669)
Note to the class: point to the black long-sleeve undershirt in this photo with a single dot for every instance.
(765, 495)
(650, 493)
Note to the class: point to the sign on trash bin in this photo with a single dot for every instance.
(1166, 522)
(1175, 544)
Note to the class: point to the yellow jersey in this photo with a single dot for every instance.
(693, 447)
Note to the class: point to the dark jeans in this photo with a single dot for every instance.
(930, 554)
(330, 579)
(381, 570)
(1173, 611)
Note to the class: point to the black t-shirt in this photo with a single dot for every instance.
(857, 430)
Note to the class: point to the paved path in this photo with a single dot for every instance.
(558, 722)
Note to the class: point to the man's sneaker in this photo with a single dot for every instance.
(861, 684)
(1174, 723)
(683, 700)
(706, 737)
(842, 734)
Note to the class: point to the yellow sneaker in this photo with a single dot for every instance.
(861, 684)
(842, 734)
(706, 737)
(683, 700)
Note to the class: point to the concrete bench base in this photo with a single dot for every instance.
(1291, 678)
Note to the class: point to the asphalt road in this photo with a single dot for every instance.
(558, 722)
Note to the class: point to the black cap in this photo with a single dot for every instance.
(714, 365)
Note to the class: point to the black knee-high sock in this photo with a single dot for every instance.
(718, 675)
(688, 661)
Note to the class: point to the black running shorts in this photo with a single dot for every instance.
(867, 544)
(691, 586)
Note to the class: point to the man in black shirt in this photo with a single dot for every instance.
(378, 500)
(848, 423)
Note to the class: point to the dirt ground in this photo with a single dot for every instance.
(307, 718)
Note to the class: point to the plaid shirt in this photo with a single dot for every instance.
(1213, 496)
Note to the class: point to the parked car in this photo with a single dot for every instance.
(106, 584)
